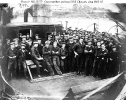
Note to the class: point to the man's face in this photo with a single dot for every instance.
(49, 38)
(114, 49)
(36, 37)
(47, 45)
(8, 41)
(12, 46)
(36, 45)
(28, 35)
(55, 44)
(71, 40)
(63, 45)
(39, 41)
(89, 43)
(103, 46)
(23, 47)
(81, 40)
(23, 40)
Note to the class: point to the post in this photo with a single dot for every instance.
(94, 27)
(66, 24)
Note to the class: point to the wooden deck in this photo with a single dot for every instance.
(46, 88)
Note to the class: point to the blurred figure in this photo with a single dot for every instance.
(1, 59)
(12, 63)
(6, 46)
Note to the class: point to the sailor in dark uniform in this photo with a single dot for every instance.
(27, 46)
(63, 55)
(12, 63)
(6, 46)
(70, 57)
(40, 46)
(47, 57)
(103, 62)
(55, 57)
(97, 50)
(21, 61)
(89, 50)
(79, 54)
(113, 62)
(36, 57)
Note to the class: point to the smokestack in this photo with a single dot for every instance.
(42, 13)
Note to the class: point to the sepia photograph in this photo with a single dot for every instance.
(62, 50)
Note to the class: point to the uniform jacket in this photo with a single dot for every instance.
(79, 48)
(54, 50)
(22, 55)
(34, 53)
(46, 51)
(11, 52)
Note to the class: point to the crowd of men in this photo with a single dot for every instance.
(86, 53)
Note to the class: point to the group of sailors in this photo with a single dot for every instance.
(81, 52)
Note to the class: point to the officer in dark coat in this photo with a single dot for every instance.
(12, 62)
(89, 51)
(113, 62)
(36, 58)
(79, 54)
(70, 57)
(47, 57)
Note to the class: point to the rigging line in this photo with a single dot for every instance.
(117, 22)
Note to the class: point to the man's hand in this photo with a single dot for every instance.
(76, 53)
(10, 57)
(63, 57)
(40, 58)
(57, 52)
(111, 59)
(14, 57)
(90, 51)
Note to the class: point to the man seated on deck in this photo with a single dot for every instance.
(36, 58)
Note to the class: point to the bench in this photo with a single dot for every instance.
(30, 64)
